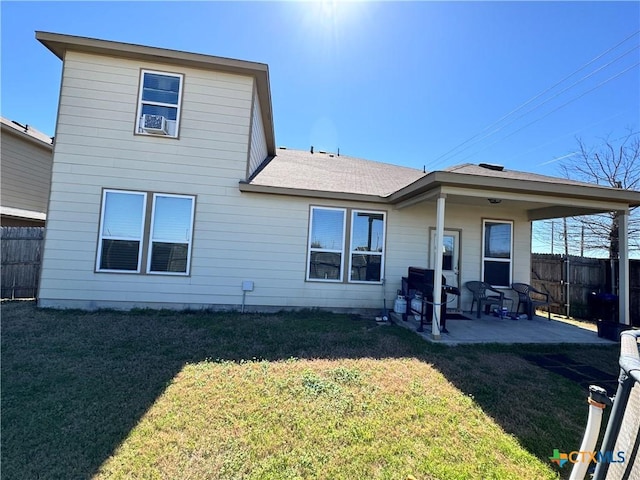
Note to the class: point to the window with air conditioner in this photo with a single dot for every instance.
(159, 102)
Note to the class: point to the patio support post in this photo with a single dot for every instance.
(623, 267)
(437, 274)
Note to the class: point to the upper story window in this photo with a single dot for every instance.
(159, 102)
(497, 248)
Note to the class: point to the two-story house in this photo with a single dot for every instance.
(168, 191)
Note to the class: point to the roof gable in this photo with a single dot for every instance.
(59, 44)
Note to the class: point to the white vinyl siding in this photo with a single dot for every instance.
(497, 252)
(258, 147)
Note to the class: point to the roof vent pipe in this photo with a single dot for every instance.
(311, 148)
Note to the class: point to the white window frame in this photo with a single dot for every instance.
(311, 249)
(152, 239)
(102, 237)
(178, 106)
(496, 259)
(381, 254)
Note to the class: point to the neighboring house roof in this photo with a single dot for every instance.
(22, 214)
(59, 44)
(327, 175)
(26, 173)
(27, 132)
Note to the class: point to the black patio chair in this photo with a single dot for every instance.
(531, 298)
(479, 290)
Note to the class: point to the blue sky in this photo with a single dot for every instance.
(401, 82)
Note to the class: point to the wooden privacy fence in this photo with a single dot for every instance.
(21, 257)
(573, 283)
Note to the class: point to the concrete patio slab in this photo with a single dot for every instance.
(490, 329)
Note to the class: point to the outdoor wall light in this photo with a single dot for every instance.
(494, 201)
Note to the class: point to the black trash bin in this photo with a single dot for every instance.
(604, 306)
(604, 309)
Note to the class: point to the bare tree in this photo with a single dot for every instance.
(614, 165)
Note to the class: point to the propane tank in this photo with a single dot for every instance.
(400, 305)
(416, 305)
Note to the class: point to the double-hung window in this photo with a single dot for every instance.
(328, 242)
(367, 246)
(497, 248)
(121, 231)
(159, 102)
(171, 231)
(127, 242)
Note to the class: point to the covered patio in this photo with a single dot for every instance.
(491, 329)
(519, 198)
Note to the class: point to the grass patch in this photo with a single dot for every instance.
(150, 394)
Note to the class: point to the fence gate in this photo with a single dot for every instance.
(570, 282)
(21, 257)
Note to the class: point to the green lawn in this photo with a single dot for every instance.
(304, 395)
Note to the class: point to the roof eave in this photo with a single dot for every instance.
(22, 213)
(58, 44)
(437, 179)
(29, 138)
(299, 192)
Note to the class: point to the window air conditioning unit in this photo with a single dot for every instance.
(154, 124)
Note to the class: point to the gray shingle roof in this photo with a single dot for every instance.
(328, 172)
(471, 169)
(332, 173)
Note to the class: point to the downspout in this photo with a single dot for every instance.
(437, 274)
